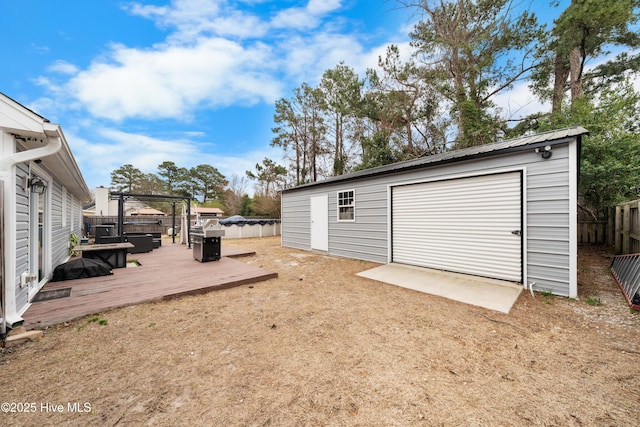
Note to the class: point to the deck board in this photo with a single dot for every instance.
(166, 272)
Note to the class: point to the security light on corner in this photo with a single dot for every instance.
(545, 152)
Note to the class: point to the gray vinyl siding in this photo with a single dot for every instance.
(296, 213)
(58, 246)
(547, 211)
(59, 233)
(61, 230)
(22, 236)
(346, 238)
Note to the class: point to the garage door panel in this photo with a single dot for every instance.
(462, 225)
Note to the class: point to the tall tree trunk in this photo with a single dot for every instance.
(460, 97)
(560, 76)
(297, 163)
(338, 168)
(575, 59)
(409, 138)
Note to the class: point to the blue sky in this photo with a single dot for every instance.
(190, 81)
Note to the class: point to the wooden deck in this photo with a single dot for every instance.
(166, 272)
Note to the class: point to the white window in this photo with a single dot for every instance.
(346, 205)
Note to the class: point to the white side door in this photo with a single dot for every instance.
(320, 222)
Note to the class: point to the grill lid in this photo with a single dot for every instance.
(210, 228)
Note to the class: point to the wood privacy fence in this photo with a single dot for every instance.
(595, 232)
(627, 228)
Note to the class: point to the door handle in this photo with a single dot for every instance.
(516, 233)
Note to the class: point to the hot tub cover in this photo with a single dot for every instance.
(242, 221)
(80, 268)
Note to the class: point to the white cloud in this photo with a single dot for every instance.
(306, 59)
(212, 59)
(194, 68)
(196, 18)
(63, 67)
(295, 18)
(320, 7)
(173, 80)
(307, 17)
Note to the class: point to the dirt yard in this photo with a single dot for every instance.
(321, 346)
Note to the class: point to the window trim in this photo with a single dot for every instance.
(351, 205)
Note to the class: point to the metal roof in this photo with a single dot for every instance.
(530, 141)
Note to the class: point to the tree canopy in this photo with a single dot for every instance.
(443, 94)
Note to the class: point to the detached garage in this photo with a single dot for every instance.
(505, 211)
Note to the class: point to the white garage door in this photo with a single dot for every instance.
(469, 225)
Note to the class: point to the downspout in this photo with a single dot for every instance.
(53, 146)
(8, 178)
(3, 326)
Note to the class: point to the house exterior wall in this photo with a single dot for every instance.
(62, 223)
(30, 146)
(549, 195)
(22, 236)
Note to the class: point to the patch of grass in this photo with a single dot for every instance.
(548, 296)
(98, 320)
(593, 301)
(547, 293)
(151, 325)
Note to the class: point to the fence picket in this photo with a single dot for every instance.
(627, 228)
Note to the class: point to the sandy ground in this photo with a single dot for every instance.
(321, 346)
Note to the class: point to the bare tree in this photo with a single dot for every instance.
(233, 196)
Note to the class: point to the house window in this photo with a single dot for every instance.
(346, 205)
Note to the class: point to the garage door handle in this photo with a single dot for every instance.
(516, 233)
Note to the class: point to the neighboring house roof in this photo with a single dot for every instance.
(31, 129)
(207, 211)
(480, 151)
(148, 211)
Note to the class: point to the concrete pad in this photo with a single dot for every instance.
(498, 295)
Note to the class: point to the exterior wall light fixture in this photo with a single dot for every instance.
(37, 185)
(545, 152)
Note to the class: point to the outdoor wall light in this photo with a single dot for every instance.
(545, 152)
(37, 185)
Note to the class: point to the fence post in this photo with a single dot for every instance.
(626, 223)
(618, 230)
(634, 228)
(611, 226)
(626, 228)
